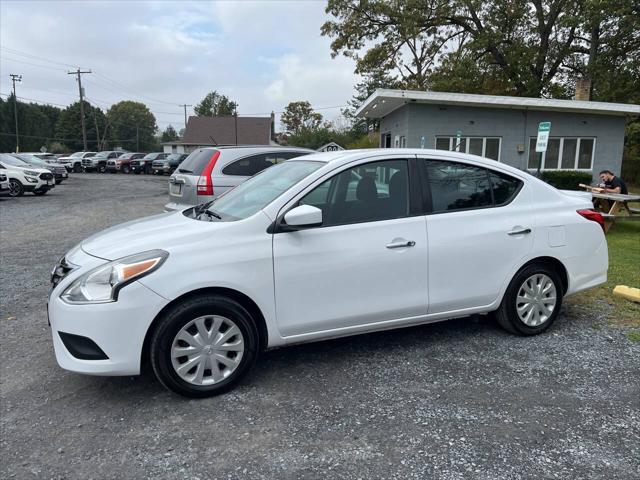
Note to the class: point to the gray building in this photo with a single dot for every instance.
(585, 135)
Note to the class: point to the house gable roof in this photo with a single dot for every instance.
(222, 131)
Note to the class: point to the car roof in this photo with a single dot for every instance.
(345, 156)
(263, 147)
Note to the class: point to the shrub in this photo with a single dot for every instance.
(566, 179)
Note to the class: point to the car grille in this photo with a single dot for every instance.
(60, 271)
(46, 176)
(57, 169)
(111, 162)
(158, 163)
(135, 163)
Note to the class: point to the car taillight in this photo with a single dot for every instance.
(593, 215)
(205, 185)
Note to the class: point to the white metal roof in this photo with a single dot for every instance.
(382, 102)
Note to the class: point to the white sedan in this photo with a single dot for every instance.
(322, 246)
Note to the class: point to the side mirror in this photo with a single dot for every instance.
(303, 216)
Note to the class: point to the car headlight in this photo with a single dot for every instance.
(102, 284)
(31, 172)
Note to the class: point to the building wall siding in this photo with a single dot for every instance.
(514, 127)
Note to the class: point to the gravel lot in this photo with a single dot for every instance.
(460, 399)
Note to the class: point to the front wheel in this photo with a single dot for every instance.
(204, 346)
(77, 168)
(15, 188)
(532, 301)
(125, 169)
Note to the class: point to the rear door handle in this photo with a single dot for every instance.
(401, 244)
(521, 231)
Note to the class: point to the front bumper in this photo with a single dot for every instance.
(117, 328)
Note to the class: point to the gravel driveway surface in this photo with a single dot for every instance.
(454, 400)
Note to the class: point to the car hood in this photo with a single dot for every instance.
(30, 168)
(167, 231)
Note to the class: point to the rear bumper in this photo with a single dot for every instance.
(588, 272)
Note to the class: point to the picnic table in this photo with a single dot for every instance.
(613, 204)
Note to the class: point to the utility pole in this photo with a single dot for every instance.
(137, 140)
(185, 113)
(235, 115)
(78, 73)
(16, 78)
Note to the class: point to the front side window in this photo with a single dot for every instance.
(457, 186)
(365, 193)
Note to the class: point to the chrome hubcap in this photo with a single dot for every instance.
(207, 350)
(536, 300)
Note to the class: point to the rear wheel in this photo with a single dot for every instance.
(15, 188)
(532, 300)
(204, 346)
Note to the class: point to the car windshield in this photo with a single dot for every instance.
(77, 154)
(124, 156)
(10, 160)
(174, 156)
(261, 189)
(102, 154)
(150, 156)
(32, 159)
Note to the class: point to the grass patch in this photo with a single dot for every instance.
(624, 269)
(633, 336)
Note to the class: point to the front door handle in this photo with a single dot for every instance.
(401, 244)
(520, 231)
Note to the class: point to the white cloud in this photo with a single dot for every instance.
(262, 54)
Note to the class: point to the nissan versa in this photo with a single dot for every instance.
(322, 246)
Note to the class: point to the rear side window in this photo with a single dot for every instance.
(249, 166)
(505, 188)
(196, 161)
(457, 186)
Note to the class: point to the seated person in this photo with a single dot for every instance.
(611, 183)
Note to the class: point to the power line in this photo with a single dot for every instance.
(30, 55)
(67, 139)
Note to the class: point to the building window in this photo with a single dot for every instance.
(488, 147)
(403, 142)
(563, 153)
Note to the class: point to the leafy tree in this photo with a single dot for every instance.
(68, 128)
(215, 104)
(169, 134)
(364, 89)
(299, 117)
(525, 48)
(132, 125)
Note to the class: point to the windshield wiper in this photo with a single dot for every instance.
(182, 170)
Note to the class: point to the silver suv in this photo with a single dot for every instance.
(209, 172)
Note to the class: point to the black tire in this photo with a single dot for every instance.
(15, 188)
(148, 169)
(126, 169)
(77, 168)
(507, 315)
(179, 316)
(102, 168)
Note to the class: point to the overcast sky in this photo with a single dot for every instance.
(262, 54)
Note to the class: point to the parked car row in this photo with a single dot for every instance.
(17, 176)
